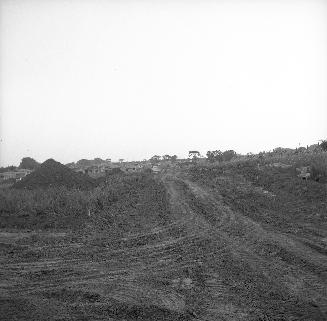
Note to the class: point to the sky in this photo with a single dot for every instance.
(131, 79)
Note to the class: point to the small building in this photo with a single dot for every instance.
(17, 175)
(156, 169)
(113, 171)
(130, 169)
(7, 175)
(94, 171)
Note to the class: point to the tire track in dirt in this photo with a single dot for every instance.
(250, 244)
(152, 274)
(217, 292)
(206, 263)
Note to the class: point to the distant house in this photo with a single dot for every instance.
(156, 169)
(79, 170)
(7, 175)
(93, 170)
(130, 169)
(99, 170)
(17, 175)
(113, 170)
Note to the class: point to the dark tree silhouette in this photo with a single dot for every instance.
(323, 145)
(155, 159)
(29, 163)
(228, 155)
(214, 156)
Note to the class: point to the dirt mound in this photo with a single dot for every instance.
(52, 173)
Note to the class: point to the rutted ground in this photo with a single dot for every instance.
(202, 261)
(267, 272)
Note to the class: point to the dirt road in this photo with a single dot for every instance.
(251, 271)
(205, 261)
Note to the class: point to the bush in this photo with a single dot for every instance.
(29, 163)
(319, 168)
(47, 208)
(121, 204)
(215, 156)
(323, 145)
(228, 155)
(218, 156)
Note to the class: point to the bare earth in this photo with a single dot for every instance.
(207, 261)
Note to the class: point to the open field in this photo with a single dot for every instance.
(222, 242)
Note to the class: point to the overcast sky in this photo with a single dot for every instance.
(130, 79)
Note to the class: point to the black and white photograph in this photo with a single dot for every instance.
(163, 160)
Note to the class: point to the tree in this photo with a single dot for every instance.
(166, 157)
(174, 158)
(323, 145)
(7, 169)
(98, 160)
(214, 156)
(301, 150)
(228, 155)
(28, 163)
(155, 159)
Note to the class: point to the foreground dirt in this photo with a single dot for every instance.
(204, 260)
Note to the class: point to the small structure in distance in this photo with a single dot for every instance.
(156, 169)
(194, 154)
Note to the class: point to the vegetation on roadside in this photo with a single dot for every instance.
(240, 238)
(114, 205)
(56, 207)
(268, 193)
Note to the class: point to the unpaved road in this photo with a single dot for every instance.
(251, 268)
(206, 262)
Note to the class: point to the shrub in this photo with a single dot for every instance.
(119, 205)
(228, 155)
(215, 156)
(46, 208)
(29, 163)
(323, 145)
(319, 168)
